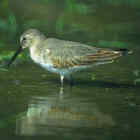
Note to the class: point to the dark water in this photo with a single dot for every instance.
(104, 103)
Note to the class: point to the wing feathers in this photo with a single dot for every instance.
(101, 56)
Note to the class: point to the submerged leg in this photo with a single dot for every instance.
(62, 79)
(69, 77)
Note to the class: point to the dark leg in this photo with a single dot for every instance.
(69, 77)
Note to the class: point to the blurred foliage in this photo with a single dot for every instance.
(60, 25)
(64, 26)
(9, 26)
(114, 44)
(4, 7)
(73, 6)
(68, 22)
(8, 23)
(75, 19)
(132, 3)
(3, 24)
(2, 44)
(12, 23)
(35, 24)
(46, 1)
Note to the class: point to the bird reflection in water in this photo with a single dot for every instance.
(61, 114)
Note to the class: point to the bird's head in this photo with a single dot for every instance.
(29, 38)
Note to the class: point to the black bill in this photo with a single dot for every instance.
(14, 56)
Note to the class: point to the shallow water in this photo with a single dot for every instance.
(104, 103)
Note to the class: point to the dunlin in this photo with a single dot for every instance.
(64, 57)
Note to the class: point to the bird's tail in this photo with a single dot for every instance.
(104, 56)
(124, 52)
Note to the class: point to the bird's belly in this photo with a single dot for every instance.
(51, 68)
(61, 71)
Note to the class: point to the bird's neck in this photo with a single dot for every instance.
(35, 53)
(35, 49)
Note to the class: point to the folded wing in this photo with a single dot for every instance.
(68, 54)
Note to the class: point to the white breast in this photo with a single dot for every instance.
(35, 56)
(39, 60)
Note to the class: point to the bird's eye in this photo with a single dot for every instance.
(23, 39)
